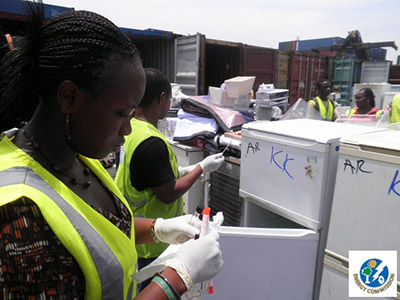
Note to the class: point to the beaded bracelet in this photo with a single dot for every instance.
(165, 287)
(153, 232)
(177, 296)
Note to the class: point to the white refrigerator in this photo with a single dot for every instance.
(287, 179)
(366, 206)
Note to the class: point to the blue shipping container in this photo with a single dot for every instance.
(373, 54)
(306, 45)
(16, 7)
(288, 46)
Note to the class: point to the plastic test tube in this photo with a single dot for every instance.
(196, 215)
(203, 232)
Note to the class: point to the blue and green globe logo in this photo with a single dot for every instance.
(374, 273)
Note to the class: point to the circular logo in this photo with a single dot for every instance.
(374, 273)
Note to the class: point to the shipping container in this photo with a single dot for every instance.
(13, 17)
(373, 54)
(156, 47)
(259, 62)
(305, 70)
(222, 60)
(202, 62)
(16, 10)
(376, 54)
(394, 74)
(346, 74)
(305, 45)
(282, 69)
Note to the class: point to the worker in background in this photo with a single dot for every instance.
(394, 109)
(325, 106)
(148, 174)
(365, 101)
(66, 231)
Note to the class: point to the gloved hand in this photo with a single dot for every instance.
(177, 230)
(198, 260)
(211, 163)
(185, 170)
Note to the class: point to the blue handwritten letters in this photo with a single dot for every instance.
(394, 184)
(281, 160)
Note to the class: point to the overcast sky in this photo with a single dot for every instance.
(262, 23)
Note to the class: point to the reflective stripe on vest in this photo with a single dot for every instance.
(112, 279)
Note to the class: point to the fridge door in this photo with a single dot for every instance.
(265, 263)
(289, 167)
(366, 204)
(335, 277)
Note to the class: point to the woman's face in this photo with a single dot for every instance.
(99, 125)
(361, 100)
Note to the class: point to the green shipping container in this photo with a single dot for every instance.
(346, 73)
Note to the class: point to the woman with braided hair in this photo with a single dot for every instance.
(66, 232)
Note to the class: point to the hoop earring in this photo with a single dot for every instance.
(67, 127)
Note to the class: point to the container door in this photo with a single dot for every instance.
(264, 263)
(318, 71)
(188, 57)
(259, 62)
(282, 69)
(346, 73)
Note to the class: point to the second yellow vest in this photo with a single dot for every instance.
(145, 203)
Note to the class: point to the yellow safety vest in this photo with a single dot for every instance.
(106, 256)
(375, 112)
(327, 114)
(395, 115)
(146, 203)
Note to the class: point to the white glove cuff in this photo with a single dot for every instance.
(183, 274)
(154, 230)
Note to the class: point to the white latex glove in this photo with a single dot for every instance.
(185, 170)
(177, 230)
(211, 163)
(198, 260)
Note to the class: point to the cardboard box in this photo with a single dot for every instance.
(219, 97)
(239, 86)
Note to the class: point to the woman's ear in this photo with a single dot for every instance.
(161, 98)
(66, 94)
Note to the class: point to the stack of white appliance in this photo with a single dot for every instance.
(366, 206)
(268, 98)
(287, 178)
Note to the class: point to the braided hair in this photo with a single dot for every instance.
(80, 46)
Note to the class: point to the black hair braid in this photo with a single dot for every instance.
(80, 46)
(17, 102)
